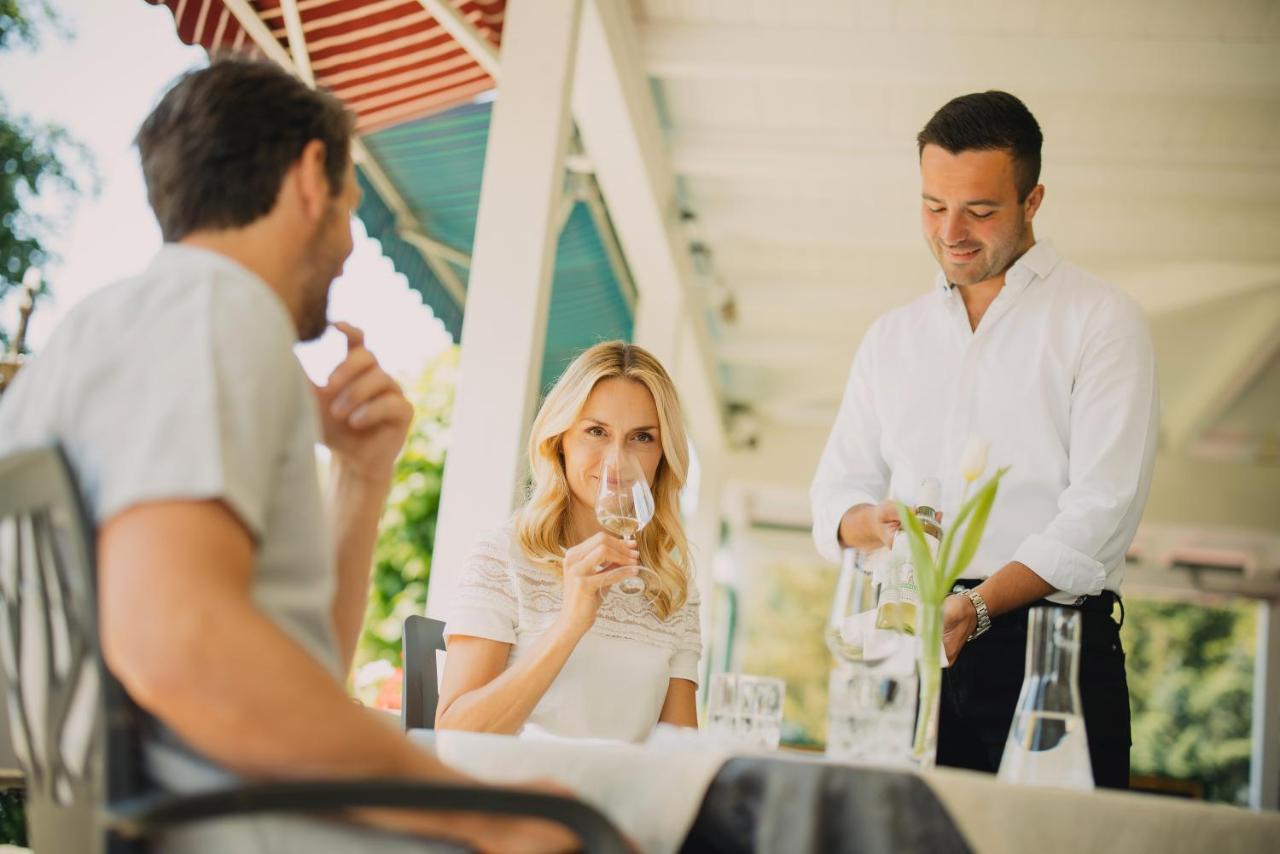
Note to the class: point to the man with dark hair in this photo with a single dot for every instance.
(230, 605)
(1053, 368)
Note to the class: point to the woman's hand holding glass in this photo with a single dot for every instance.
(624, 505)
(591, 567)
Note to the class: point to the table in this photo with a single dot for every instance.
(722, 801)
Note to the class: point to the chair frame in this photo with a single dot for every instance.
(109, 804)
(420, 694)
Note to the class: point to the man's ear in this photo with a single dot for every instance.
(312, 180)
(1034, 198)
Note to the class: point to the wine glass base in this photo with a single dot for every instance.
(630, 586)
(634, 585)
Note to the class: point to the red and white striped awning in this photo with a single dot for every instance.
(389, 60)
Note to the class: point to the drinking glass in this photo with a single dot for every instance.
(624, 505)
(871, 693)
(746, 710)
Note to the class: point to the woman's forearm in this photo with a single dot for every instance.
(505, 703)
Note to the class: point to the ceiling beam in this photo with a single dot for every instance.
(934, 61)
(480, 48)
(434, 253)
(618, 124)
(1241, 351)
(846, 154)
(297, 42)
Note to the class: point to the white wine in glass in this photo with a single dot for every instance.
(624, 505)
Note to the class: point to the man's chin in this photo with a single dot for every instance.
(313, 328)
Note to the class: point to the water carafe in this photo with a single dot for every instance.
(1047, 745)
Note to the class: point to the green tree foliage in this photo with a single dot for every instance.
(1190, 672)
(37, 161)
(784, 611)
(406, 536)
(1190, 669)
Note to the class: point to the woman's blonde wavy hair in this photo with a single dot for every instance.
(542, 526)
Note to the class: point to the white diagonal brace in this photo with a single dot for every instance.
(480, 48)
(434, 253)
(620, 131)
(436, 260)
(1247, 346)
(443, 251)
(297, 41)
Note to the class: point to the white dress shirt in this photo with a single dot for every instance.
(1059, 377)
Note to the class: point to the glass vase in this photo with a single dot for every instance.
(924, 747)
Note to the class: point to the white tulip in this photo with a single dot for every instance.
(974, 461)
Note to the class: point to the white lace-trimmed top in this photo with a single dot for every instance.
(615, 681)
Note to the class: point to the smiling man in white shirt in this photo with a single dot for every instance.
(1050, 365)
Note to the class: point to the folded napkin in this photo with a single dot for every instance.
(878, 645)
(652, 792)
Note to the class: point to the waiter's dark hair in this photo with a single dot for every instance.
(216, 148)
(986, 121)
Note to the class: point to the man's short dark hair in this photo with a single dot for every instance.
(216, 148)
(987, 121)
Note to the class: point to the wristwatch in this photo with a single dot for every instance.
(979, 605)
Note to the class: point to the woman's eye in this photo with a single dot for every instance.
(644, 437)
(595, 431)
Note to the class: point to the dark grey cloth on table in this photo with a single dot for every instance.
(763, 805)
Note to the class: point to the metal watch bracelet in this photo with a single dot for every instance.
(979, 605)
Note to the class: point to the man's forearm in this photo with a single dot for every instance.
(233, 693)
(355, 506)
(1012, 586)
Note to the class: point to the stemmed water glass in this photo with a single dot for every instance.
(624, 505)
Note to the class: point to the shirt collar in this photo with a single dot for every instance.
(1036, 262)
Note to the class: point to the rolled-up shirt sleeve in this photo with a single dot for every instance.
(852, 470)
(1114, 425)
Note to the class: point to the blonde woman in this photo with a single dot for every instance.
(537, 634)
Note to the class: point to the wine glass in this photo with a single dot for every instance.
(624, 505)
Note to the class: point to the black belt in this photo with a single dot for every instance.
(1103, 603)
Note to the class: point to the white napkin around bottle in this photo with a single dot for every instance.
(877, 644)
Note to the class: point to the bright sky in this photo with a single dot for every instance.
(100, 85)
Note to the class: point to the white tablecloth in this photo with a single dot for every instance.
(653, 793)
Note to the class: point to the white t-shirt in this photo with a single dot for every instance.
(181, 383)
(616, 679)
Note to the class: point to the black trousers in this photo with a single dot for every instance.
(980, 691)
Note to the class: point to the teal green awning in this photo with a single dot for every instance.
(437, 164)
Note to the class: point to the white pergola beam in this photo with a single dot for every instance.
(927, 60)
(1167, 228)
(297, 41)
(1242, 351)
(504, 326)
(855, 150)
(480, 48)
(620, 132)
(1264, 765)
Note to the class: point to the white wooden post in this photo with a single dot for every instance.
(504, 327)
(1264, 767)
(704, 538)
